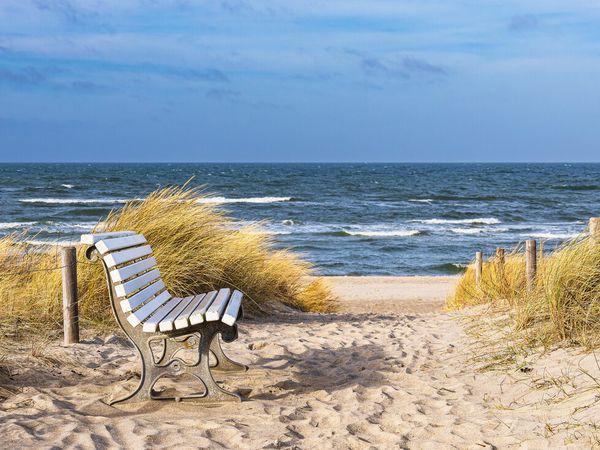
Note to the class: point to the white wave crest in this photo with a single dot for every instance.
(390, 233)
(429, 201)
(244, 200)
(77, 201)
(551, 236)
(68, 186)
(41, 243)
(475, 221)
(469, 231)
(9, 225)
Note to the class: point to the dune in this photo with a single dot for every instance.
(388, 371)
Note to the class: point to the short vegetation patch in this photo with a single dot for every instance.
(198, 248)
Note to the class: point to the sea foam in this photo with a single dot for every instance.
(477, 220)
(76, 201)
(390, 233)
(244, 200)
(10, 225)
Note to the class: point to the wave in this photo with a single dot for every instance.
(219, 200)
(473, 231)
(68, 186)
(390, 233)
(429, 201)
(578, 187)
(552, 236)
(42, 243)
(78, 201)
(468, 231)
(451, 268)
(9, 225)
(49, 227)
(458, 197)
(478, 220)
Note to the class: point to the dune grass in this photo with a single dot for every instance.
(562, 308)
(198, 248)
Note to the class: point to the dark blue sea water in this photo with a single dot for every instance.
(367, 219)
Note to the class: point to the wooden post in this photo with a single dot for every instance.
(500, 255)
(478, 268)
(69, 288)
(595, 228)
(541, 251)
(500, 260)
(530, 262)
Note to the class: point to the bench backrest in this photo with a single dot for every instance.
(132, 270)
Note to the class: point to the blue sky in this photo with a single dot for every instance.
(305, 80)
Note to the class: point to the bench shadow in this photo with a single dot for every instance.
(325, 369)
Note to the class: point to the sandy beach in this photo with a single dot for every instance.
(388, 371)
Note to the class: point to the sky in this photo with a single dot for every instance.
(299, 80)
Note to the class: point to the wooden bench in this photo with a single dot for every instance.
(152, 318)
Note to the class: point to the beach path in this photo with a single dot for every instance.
(353, 380)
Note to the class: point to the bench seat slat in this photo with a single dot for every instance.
(233, 307)
(197, 315)
(136, 300)
(183, 319)
(91, 239)
(128, 287)
(137, 317)
(110, 245)
(168, 322)
(131, 270)
(151, 323)
(218, 306)
(123, 256)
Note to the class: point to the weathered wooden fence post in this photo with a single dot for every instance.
(541, 250)
(69, 290)
(530, 262)
(478, 268)
(500, 261)
(500, 252)
(595, 228)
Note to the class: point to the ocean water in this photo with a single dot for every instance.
(349, 219)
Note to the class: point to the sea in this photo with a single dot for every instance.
(348, 219)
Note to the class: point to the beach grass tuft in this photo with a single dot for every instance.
(198, 248)
(563, 306)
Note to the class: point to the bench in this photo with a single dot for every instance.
(152, 318)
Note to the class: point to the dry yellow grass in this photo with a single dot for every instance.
(198, 248)
(563, 306)
(500, 284)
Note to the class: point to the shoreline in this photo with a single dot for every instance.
(392, 294)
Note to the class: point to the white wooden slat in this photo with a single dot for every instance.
(183, 319)
(136, 300)
(233, 307)
(151, 323)
(218, 306)
(137, 283)
(110, 245)
(168, 322)
(198, 315)
(129, 271)
(91, 239)
(137, 317)
(123, 256)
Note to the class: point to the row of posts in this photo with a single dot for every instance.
(530, 256)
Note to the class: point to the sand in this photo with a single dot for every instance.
(392, 294)
(366, 379)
